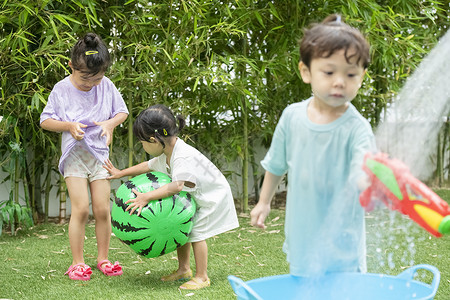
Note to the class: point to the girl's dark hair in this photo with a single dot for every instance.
(324, 39)
(159, 122)
(90, 55)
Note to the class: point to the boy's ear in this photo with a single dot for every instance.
(304, 72)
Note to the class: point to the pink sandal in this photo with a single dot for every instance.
(109, 269)
(79, 272)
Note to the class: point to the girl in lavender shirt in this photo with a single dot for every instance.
(86, 107)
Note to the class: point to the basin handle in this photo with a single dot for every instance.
(409, 273)
(243, 290)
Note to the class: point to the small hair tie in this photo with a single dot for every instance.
(90, 52)
(338, 19)
(164, 131)
(156, 130)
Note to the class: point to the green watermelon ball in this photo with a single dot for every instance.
(163, 225)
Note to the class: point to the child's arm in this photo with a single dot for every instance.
(59, 126)
(260, 212)
(109, 125)
(131, 171)
(142, 199)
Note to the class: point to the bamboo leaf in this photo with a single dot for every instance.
(61, 19)
(167, 54)
(92, 10)
(64, 19)
(17, 134)
(274, 11)
(196, 83)
(259, 18)
(35, 101)
(55, 30)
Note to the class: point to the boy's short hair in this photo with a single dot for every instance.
(324, 39)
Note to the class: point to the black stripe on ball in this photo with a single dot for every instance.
(187, 204)
(130, 185)
(131, 242)
(163, 251)
(125, 227)
(174, 199)
(176, 242)
(188, 197)
(190, 220)
(160, 205)
(148, 250)
(151, 210)
(121, 204)
(154, 180)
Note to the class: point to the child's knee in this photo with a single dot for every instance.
(80, 213)
(102, 213)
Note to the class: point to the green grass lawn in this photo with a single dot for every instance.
(33, 262)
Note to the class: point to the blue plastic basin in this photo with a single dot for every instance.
(342, 286)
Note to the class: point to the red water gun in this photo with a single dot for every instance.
(393, 184)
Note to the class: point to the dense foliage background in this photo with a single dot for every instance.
(229, 66)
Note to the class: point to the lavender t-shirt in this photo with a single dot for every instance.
(67, 103)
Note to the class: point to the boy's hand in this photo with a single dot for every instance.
(115, 173)
(137, 203)
(76, 131)
(364, 183)
(259, 214)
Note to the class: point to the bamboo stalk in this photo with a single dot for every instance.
(245, 159)
(48, 187)
(445, 136)
(62, 195)
(62, 200)
(16, 179)
(34, 180)
(130, 133)
(439, 163)
(254, 169)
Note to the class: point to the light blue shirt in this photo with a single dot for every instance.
(324, 225)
